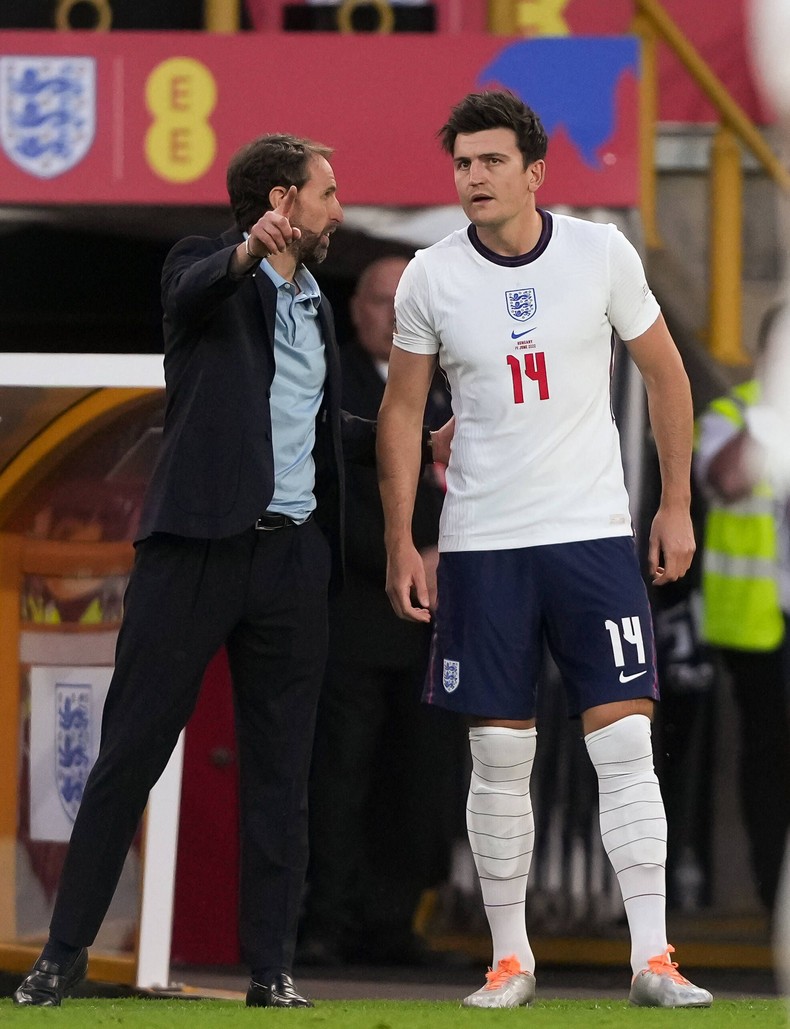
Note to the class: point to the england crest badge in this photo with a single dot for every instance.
(47, 112)
(73, 728)
(451, 675)
(521, 303)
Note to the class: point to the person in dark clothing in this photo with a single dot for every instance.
(381, 814)
(746, 606)
(240, 536)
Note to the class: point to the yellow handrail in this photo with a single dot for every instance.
(724, 332)
(731, 113)
(653, 25)
(648, 119)
(725, 294)
(222, 15)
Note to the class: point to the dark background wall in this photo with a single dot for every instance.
(87, 280)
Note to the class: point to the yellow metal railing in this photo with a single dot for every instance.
(653, 25)
(515, 17)
(222, 15)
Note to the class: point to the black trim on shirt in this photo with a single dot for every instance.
(520, 259)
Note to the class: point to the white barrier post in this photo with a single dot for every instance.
(159, 873)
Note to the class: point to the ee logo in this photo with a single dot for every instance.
(180, 144)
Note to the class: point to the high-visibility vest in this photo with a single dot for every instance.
(740, 574)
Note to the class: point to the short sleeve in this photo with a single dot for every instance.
(414, 329)
(632, 306)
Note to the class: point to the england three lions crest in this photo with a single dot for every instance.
(521, 303)
(451, 675)
(47, 112)
(73, 729)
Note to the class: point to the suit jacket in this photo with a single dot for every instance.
(215, 472)
(365, 629)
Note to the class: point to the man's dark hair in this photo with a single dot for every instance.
(256, 168)
(496, 109)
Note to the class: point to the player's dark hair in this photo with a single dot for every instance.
(496, 109)
(277, 159)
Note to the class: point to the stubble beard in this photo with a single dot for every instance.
(310, 248)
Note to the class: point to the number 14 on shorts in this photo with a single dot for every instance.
(628, 631)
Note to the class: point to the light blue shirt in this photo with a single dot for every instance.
(297, 391)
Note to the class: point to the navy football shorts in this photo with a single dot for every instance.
(587, 599)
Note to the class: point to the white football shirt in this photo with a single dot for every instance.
(527, 346)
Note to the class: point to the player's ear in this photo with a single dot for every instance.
(276, 194)
(536, 172)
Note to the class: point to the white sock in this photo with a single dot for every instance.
(502, 833)
(633, 829)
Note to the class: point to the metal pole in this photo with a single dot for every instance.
(725, 340)
(222, 15)
(648, 119)
(714, 90)
(502, 17)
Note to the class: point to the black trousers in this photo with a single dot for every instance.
(264, 595)
(760, 684)
(384, 789)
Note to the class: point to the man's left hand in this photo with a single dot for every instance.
(441, 440)
(671, 545)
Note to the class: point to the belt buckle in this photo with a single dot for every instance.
(260, 527)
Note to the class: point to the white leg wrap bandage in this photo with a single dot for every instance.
(633, 828)
(502, 831)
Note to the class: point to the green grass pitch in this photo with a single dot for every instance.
(217, 1014)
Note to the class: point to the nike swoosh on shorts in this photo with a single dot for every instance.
(628, 678)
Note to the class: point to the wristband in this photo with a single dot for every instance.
(248, 252)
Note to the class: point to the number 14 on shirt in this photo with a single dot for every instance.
(534, 369)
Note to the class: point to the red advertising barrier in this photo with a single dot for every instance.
(718, 30)
(152, 118)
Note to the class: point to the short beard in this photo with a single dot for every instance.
(310, 249)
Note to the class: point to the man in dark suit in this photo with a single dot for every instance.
(381, 798)
(239, 537)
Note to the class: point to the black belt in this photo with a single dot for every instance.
(270, 521)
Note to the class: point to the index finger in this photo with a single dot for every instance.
(654, 558)
(285, 206)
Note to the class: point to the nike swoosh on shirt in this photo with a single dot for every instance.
(628, 678)
(518, 335)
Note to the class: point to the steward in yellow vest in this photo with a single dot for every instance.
(740, 558)
(746, 600)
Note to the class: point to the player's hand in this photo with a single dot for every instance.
(430, 563)
(273, 233)
(407, 585)
(671, 545)
(441, 441)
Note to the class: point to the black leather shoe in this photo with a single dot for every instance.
(46, 984)
(279, 993)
